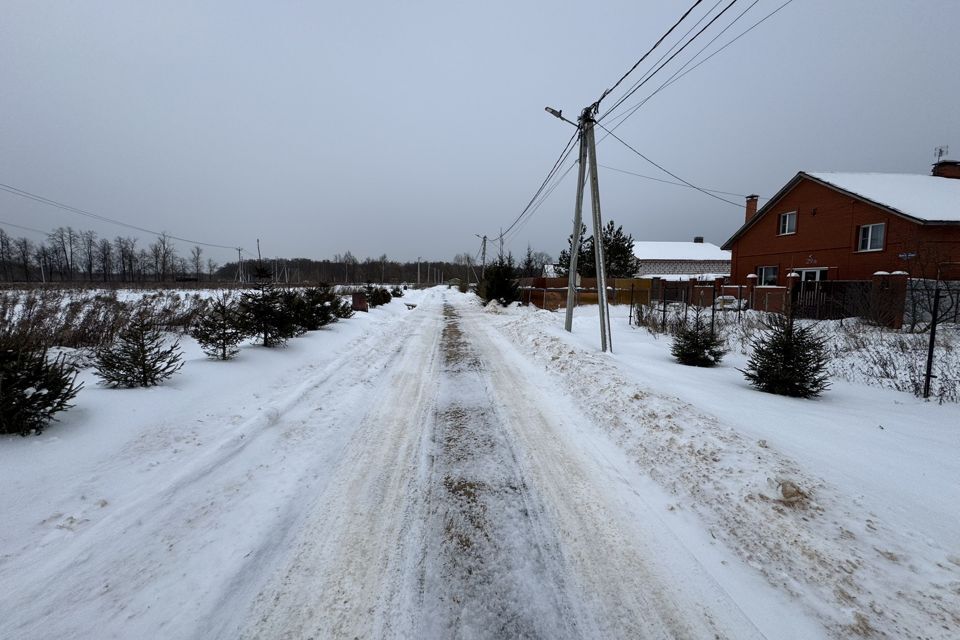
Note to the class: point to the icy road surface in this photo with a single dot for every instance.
(423, 483)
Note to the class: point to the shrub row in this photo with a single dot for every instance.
(133, 350)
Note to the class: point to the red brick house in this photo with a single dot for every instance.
(847, 226)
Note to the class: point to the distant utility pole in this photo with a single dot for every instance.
(588, 156)
(483, 253)
(418, 272)
(239, 265)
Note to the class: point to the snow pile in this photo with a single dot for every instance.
(856, 561)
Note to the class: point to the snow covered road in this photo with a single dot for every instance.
(466, 507)
(405, 475)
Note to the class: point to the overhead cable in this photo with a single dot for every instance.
(649, 51)
(667, 61)
(668, 172)
(96, 216)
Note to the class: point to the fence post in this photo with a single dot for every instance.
(663, 303)
(933, 338)
(713, 312)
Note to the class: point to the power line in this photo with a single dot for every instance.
(568, 148)
(681, 73)
(543, 198)
(668, 60)
(675, 44)
(679, 184)
(644, 57)
(689, 184)
(96, 216)
(19, 226)
(748, 30)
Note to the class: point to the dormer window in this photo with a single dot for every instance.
(788, 223)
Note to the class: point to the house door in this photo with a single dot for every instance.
(812, 275)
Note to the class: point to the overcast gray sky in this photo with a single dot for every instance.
(407, 127)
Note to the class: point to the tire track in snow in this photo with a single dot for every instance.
(461, 510)
(491, 569)
(103, 581)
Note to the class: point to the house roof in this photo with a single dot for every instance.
(921, 198)
(678, 251)
(926, 198)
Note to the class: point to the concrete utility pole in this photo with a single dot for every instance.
(588, 155)
(483, 254)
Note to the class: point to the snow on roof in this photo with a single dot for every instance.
(679, 251)
(919, 196)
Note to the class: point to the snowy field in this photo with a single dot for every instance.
(454, 471)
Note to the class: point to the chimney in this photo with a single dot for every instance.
(947, 169)
(698, 239)
(751, 206)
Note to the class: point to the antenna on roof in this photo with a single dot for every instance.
(941, 151)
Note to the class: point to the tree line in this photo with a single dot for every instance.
(72, 255)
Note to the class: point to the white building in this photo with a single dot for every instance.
(681, 259)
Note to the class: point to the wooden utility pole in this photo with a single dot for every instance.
(588, 155)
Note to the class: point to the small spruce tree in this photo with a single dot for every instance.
(377, 296)
(219, 329)
(266, 315)
(139, 357)
(695, 345)
(33, 388)
(788, 360)
(500, 282)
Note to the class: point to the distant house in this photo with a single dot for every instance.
(847, 226)
(680, 259)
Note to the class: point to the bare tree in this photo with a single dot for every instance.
(6, 255)
(88, 251)
(197, 261)
(105, 258)
(162, 253)
(24, 249)
(63, 243)
(211, 268)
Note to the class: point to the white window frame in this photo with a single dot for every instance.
(821, 274)
(784, 218)
(762, 276)
(866, 235)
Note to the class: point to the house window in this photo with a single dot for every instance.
(767, 276)
(788, 223)
(871, 237)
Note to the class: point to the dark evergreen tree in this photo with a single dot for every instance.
(586, 264)
(220, 328)
(788, 360)
(32, 388)
(295, 304)
(318, 307)
(139, 357)
(396, 291)
(377, 296)
(500, 282)
(695, 345)
(266, 315)
(618, 255)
